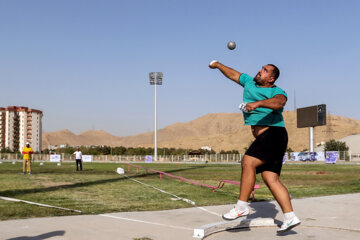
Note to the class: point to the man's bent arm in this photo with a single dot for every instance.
(228, 72)
(275, 103)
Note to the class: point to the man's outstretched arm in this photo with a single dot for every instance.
(228, 72)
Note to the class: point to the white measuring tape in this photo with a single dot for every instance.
(175, 196)
(38, 204)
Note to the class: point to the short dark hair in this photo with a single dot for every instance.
(275, 72)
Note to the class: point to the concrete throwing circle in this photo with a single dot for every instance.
(299, 233)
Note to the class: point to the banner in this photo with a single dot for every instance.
(294, 156)
(148, 159)
(320, 156)
(307, 156)
(285, 158)
(55, 158)
(332, 156)
(87, 158)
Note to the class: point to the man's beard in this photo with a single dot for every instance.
(257, 78)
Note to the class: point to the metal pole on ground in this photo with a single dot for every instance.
(155, 127)
(311, 139)
(155, 79)
(349, 152)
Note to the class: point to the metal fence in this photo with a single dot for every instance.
(208, 158)
(133, 158)
(354, 156)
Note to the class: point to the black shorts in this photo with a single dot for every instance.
(270, 147)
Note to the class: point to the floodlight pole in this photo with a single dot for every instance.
(155, 127)
(155, 79)
(311, 139)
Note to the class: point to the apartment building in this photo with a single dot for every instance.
(19, 125)
(2, 127)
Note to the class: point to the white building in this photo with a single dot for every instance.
(2, 127)
(19, 125)
(207, 148)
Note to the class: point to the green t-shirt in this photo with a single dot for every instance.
(261, 116)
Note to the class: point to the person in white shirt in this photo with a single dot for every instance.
(78, 157)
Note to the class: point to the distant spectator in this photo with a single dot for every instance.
(78, 157)
(27, 152)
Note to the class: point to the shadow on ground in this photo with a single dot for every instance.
(40, 237)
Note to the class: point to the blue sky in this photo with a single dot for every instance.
(85, 64)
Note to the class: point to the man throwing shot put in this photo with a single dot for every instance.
(262, 109)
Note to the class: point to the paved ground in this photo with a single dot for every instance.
(330, 218)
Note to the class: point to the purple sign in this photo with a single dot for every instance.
(148, 159)
(285, 158)
(307, 156)
(331, 157)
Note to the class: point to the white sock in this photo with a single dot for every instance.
(289, 215)
(241, 204)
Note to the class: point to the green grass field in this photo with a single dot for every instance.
(99, 189)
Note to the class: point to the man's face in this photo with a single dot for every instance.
(264, 76)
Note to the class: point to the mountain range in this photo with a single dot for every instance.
(220, 131)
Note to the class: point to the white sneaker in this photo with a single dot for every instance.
(289, 224)
(236, 213)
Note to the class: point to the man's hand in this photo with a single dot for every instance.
(252, 106)
(213, 63)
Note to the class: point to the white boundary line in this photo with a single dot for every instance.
(141, 221)
(38, 204)
(214, 213)
(177, 197)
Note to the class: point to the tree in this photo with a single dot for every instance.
(46, 151)
(6, 150)
(121, 150)
(229, 152)
(333, 145)
(246, 148)
(288, 151)
(205, 151)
